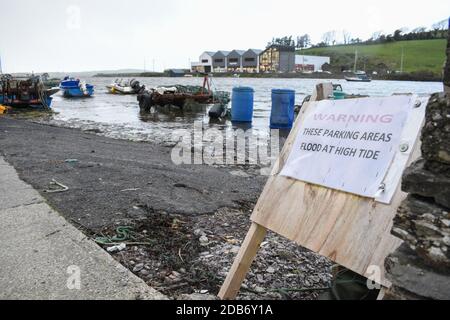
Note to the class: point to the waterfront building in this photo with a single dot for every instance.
(305, 63)
(234, 59)
(278, 58)
(220, 61)
(250, 61)
(176, 72)
(205, 63)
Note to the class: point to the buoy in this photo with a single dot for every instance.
(3, 109)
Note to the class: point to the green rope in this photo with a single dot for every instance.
(123, 234)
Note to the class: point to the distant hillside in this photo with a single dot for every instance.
(91, 73)
(419, 56)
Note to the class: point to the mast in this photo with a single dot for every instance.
(1, 70)
(356, 60)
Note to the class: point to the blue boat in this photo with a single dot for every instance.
(74, 88)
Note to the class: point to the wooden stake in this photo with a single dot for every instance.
(382, 294)
(242, 263)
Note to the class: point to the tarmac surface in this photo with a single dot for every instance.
(43, 257)
(112, 181)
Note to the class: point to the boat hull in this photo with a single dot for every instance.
(358, 79)
(34, 102)
(76, 92)
(350, 80)
(72, 88)
(179, 99)
(120, 90)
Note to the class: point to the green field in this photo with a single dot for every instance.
(419, 55)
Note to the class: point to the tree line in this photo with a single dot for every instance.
(439, 30)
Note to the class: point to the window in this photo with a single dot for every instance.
(218, 60)
(250, 59)
(234, 60)
(205, 61)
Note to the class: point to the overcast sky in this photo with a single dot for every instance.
(82, 35)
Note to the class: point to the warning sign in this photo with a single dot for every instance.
(349, 145)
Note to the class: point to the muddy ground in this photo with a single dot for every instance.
(183, 224)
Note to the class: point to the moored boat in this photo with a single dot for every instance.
(75, 88)
(359, 78)
(121, 86)
(29, 91)
(179, 95)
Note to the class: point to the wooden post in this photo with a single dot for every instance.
(323, 92)
(242, 263)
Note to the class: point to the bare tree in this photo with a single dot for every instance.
(376, 35)
(441, 25)
(329, 37)
(419, 30)
(347, 36)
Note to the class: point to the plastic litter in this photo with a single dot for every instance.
(117, 248)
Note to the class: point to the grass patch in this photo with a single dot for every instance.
(419, 55)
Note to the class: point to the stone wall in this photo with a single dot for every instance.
(447, 66)
(420, 269)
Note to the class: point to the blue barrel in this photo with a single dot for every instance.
(283, 109)
(242, 104)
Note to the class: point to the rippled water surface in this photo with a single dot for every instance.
(119, 116)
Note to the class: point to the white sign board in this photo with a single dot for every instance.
(349, 145)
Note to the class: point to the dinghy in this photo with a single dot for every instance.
(74, 88)
(121, 86)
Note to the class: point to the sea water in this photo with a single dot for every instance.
(119, 116)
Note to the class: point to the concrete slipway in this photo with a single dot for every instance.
(41, 253)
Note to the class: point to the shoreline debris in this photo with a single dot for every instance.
(56, 183)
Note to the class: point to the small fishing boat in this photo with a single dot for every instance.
(121, 86)
(179, 95)
(29, 91)
(359, 78)
(74, 88)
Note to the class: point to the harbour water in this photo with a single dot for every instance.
(119, 116)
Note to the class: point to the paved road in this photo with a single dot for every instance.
(42, 256)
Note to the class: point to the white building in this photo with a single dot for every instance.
(310, 63)
(204, 64)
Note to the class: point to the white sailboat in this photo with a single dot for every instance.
(359, 76)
